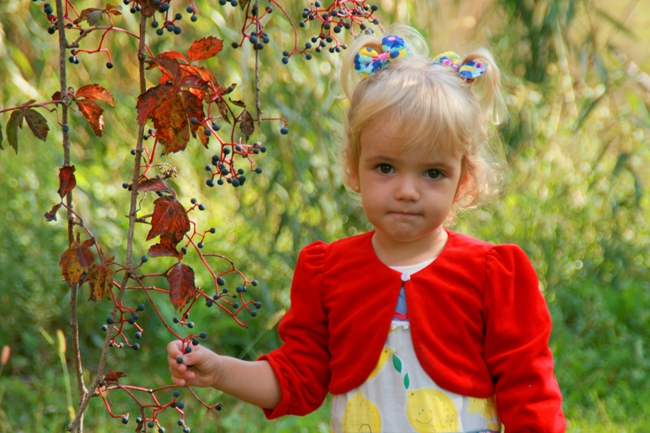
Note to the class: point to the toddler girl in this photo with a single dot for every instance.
(411, 327)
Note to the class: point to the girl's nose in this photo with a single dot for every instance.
(406, 189)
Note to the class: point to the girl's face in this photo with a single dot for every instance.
(406, 194)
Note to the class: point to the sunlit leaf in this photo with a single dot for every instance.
(172, 125)
(67, 180)
(194, 107)
(15, 121)
(149, 100)
(95, 92)
(93, 113)
(204, 48)
(173, 55)
(37, 124)
(223, 109)
(91, 15)
(100, 279)
(247, 126)
(181, 285)
(169, 219)
(154, 184)
(171, 67)
(163, 249)
(51, 214)
(76, 260)
(113, 376)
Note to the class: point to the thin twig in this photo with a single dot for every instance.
(132, 221)
(258, 102)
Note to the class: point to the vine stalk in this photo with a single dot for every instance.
(129, 246)
(74, 323)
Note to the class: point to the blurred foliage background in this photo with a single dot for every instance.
(576, 198)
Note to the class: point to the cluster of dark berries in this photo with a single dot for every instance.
(224, 164)
(257, 38)
(225, 293)
(340, 15)
(131, 320)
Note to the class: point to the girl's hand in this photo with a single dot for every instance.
(200, 367)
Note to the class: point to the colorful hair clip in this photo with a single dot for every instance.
(368, 60)
(468, 71)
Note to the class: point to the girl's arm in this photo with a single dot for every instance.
(254, 382)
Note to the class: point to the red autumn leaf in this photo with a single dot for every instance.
(202, 75)
(164, 78)
(181, 285)
(76, 260)
(91, 15)
(194, 107)
(37, 124)
(247, 126)
(170, 120)
(204, 48)
(51, 215)
(15, 121)
(113, 376)
(100, 279)
(154, 184)
(174, 55)
(170, 66)
(93, 114)
(149, 100)
(238, 103)
(113, 10)
(163, 249)
(169, 220)
(56, 96)
(95, 92)
(223, 109)
(67, 180)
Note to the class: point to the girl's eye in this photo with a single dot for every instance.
(434, 174)
(384, 168)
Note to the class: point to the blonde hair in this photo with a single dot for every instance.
(433, 107)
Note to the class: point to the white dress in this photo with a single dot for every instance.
(399, 396)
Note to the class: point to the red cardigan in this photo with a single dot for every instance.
(479, 323)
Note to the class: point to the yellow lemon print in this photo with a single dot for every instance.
(385, 355)
(430, 410)
(361, 415)
(487, 408)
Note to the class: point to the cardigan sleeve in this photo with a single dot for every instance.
(517, 331)
(302, 362)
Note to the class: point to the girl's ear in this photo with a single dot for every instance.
(463, 183)
(353, 173)
(354, 180)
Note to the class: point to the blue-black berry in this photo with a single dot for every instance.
(284, 131)
(179, 360)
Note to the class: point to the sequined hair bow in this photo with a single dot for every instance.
(468, 71)
(368, 60)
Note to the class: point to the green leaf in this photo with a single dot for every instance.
(397, 363)
(15, 121)
(407, 382)
(37, 124)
